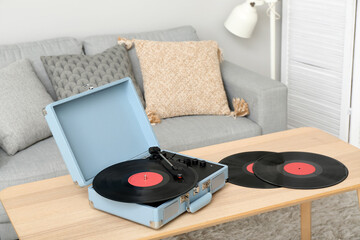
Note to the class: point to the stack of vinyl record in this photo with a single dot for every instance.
(298, 170)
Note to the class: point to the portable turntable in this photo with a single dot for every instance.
(106, 140)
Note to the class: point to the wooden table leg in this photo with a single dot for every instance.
(305, 212)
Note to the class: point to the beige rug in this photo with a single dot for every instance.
(336, 217)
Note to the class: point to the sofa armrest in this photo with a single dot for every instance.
(267, 98)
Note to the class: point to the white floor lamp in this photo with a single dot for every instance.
(242, 20)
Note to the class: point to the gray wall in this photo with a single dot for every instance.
(28, 20)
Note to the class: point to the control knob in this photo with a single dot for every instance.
(188, 162)
(194, 162)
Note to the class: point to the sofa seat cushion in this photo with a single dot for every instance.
(7, 231)
(97, 44)
(187, 132)
(40, 161)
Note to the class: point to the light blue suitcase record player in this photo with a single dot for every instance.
(106, 127)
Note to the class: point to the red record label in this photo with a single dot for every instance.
(145, 179)
(249, 168)
(299, 168)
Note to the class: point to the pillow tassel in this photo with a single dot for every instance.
(241, 108)
(153, 117)
(220, 55)
(128, 43)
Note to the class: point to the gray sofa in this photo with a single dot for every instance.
(266, 98)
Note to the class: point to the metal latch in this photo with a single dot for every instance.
(206, 184)
(184, 198)
(196, 190)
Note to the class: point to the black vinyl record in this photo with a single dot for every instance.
(300, 170)
(241, 172)
(142, 181)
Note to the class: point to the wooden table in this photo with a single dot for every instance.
(58, 209)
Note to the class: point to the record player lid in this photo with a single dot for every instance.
(100, 127)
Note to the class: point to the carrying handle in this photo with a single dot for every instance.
(199, 203)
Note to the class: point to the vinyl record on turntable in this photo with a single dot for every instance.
(142, 181)
(241, 169)
(300, 170)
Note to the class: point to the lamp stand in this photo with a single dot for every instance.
(272, 45)
(273, 17)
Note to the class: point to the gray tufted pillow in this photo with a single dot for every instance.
(72, 74)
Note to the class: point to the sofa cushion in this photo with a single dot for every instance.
(182, 78)
(184, 133)
(72, 74)
(40, 161)
(33, 51)
(22, 99)
(7, 231)
(97, 44)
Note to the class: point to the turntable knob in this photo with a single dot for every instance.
(188, 162)
(202, 163)
(194, 162)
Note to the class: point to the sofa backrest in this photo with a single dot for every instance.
(97, 44)
(91, 45)
(33, 51)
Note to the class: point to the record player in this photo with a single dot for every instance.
(106, 140)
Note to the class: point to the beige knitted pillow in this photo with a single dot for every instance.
(182, 78)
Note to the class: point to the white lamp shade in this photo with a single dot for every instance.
(242, 20)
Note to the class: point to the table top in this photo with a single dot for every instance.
(56, 208)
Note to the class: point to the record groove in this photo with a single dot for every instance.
(118, 182)
(300, 170)
(241, 169)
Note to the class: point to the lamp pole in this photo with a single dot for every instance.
(273, 16)
(272, 46)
